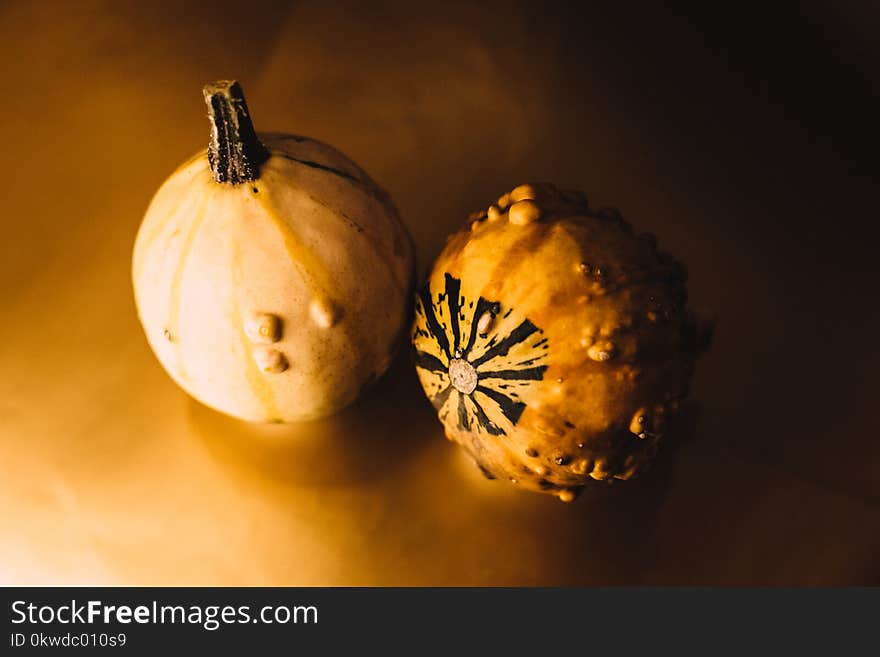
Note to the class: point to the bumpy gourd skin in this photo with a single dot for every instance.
(553, 342)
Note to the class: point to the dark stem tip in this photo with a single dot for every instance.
(234, 153)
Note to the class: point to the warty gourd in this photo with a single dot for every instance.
(553, 342)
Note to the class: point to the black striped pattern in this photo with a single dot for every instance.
(508, 357)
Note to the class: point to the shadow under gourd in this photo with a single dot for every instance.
(371, 439)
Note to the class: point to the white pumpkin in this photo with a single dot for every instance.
(271, 274)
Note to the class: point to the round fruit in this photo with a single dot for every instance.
(553, 342)
(271, 274)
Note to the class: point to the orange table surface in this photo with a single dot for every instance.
(110, 474)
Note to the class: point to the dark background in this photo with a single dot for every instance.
(744, 137)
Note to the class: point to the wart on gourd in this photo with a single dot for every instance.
(257, 267)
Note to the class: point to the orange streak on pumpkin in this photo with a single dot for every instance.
(256, 379)
(171, 218)
(176, 281)
(311, 267)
